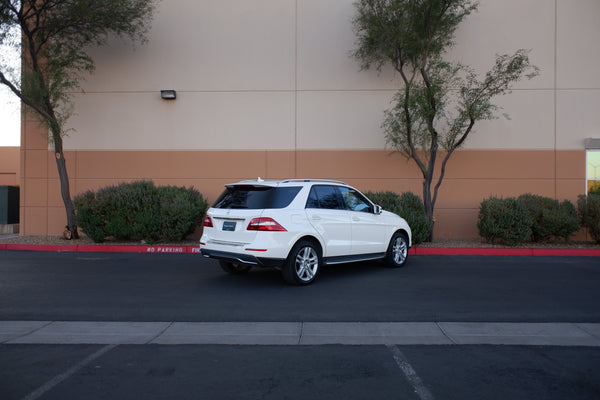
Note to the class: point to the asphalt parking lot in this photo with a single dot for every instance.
(444, 327)
(298, 372)
(39, 286)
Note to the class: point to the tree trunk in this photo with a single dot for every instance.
(427, 202)
(71, 227)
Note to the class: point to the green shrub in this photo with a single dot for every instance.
(589, 214)
(413, 210)
(139, 210)
(410, 207)
(537, 208)
(564, 221)
(89, 217)
(389, 201)
(549, 218)
(504, 220)
(181, 210)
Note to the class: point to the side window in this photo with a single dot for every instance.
(313, 200)
(354, 201)
(323, 197)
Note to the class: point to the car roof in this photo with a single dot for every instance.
(273, 183)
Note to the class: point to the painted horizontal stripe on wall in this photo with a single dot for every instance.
(471, 176)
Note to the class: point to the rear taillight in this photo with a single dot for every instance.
(265, 224)
(208, 222)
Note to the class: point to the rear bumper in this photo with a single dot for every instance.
(243, 258)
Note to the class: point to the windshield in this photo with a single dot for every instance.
(255, 198)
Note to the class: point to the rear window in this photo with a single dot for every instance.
(251, 197)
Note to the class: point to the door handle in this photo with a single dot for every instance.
(355, 219)
(316, 218)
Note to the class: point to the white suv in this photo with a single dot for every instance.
(298, 225)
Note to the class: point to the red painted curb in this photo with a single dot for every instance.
(91, 248)
(443, 251)
(462, 251)
(505, 251)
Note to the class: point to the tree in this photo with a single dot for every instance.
(54, 37)
(439, 101)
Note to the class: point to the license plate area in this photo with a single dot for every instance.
(229, 226)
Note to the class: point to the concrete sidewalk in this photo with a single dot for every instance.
(300, 333)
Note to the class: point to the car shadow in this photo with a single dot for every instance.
(269, 277)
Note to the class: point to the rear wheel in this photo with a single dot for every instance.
(235, 268)
(302, 265)
(397, 252)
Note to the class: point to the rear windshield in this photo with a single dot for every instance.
(250, 197)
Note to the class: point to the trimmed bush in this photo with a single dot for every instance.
(139, 210)
(504, 220)
(549, 217)
(181, 210)
(564, 221)
(537, 207)
(89, 217)
(410, 207)
(589, 214)
(413, 210)
(389, 201)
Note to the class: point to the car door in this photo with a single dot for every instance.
(369, 231)
(327, 214)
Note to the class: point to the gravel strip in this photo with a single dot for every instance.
(468, 243)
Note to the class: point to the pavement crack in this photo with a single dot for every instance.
(29, 332)
(159, 334)
(301, 332)
(445, 333)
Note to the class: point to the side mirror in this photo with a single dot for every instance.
(377, 210)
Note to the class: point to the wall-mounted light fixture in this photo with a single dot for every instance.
(169, 94)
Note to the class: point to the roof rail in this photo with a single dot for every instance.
(313, 180)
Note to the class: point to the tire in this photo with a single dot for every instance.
(303, 263)
(397, 252)
(234, 268)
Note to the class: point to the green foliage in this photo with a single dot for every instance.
(504, 220)
(90, 216)
(181, 211)
(438, 102)
(541, 217)
(388, 200)
(413, 211)
(61, 32)
(139, 210)
(56, 37)
(413, 36)
(563, 220)
(549, 217)
(588, 208)
(536, 206)
(410, 207)
(388, 30)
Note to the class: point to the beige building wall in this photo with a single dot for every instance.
(9, 166)
(267, 88)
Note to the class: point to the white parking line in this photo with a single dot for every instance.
(59, 378)
(411, 375)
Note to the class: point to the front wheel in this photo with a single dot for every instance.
(397, 252)
(302, 265)
(235, 268)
